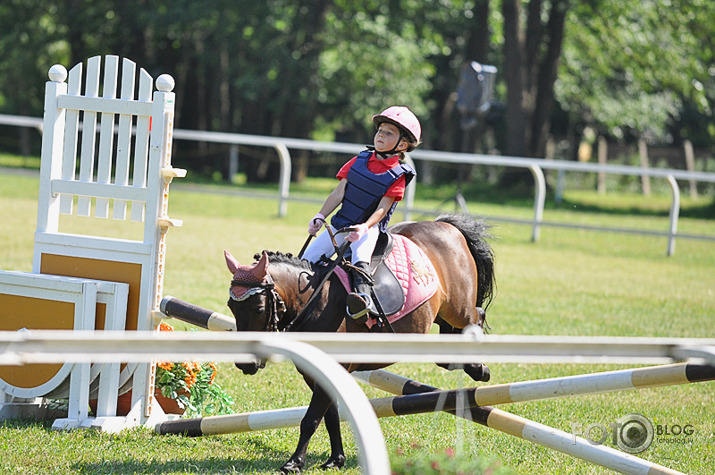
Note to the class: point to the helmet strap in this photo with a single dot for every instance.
(389, 153)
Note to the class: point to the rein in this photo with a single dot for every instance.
(310, 304)
(275, 305)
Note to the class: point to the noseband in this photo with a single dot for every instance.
(275, 307)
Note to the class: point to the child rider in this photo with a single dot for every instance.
(370, 186)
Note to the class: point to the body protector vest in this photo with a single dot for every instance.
(364, 191)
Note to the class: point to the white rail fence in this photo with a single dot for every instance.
(535, 166)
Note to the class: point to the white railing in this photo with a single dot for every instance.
(536, 166)
(55, 346)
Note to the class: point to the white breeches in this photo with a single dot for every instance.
(361, 249)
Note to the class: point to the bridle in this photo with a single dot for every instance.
(275, 306)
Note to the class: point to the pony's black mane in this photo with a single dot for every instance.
(288, 259)
(277, 257)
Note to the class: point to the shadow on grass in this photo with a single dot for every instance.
(703, 211)
(706, 211)
(523, 196)
(269, 460)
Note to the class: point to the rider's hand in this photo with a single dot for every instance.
(359, 231)
(315, 224)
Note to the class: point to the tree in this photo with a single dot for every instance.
(531, 58)
(321, 68)
(633, 68)
(30, 43)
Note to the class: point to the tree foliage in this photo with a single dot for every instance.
(635, 67)
(322, 68)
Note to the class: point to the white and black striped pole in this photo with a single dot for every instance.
(195, 315)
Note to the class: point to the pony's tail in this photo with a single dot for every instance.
(475, 231)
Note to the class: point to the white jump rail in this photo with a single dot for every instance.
(54, 346)
(534, 165)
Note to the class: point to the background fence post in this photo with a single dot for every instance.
(674, 213)
(602, 159)
(539, 200)
(690, 166)
(643, 154)
(284, 180)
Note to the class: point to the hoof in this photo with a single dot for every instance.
(292, 467)
(334, 462)
(478, 372)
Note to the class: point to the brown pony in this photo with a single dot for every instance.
(270, 294)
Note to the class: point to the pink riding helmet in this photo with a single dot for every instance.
(403, 118)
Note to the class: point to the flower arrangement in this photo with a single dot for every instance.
(192, 385)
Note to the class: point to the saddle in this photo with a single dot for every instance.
(387, 290)
(403, 275)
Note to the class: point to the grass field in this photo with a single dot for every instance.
(570, 283)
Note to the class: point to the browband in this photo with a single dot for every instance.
(251, 291)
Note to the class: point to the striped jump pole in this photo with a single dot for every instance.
(504, 422)
(195, 315)
(234, 423)
(608, 381)
(421, 398)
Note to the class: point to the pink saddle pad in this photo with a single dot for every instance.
(413, 270)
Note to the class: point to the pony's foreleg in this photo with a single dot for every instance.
(476, 371)
(319, 404)
(332, 424)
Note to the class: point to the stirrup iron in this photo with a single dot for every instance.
(366, 300)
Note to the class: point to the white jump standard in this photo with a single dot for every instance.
(106, 151)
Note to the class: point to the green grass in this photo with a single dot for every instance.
(571, 282)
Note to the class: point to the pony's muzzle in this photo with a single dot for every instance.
(252, 367)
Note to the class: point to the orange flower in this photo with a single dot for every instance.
(166, 365)
(213, 372)
(192, 367)
(165, 327)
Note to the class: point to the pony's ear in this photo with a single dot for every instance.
(261, 269)
(231, 262)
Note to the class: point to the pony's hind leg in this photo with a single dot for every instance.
(482, 319)
(476, 371)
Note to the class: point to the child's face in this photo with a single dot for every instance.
(387, 137)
